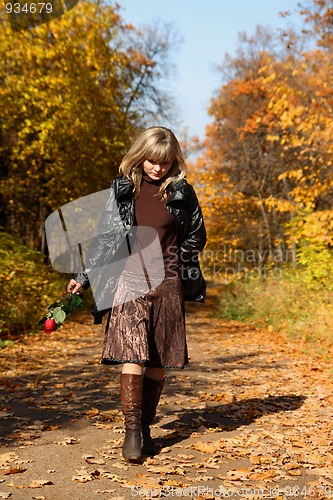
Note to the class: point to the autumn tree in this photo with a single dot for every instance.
(318, 16)
(73, 93)
(240, 162)
(268, 155)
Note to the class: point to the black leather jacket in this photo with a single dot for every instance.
(190, 230)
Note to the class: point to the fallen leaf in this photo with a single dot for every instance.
(209, 465)
(92, 413)
(292, 465)
(113, 477)
(206, 478)
(119, 465)
(320, 471)
(260, 459)
(260, 476)
(6, 414)
(39, 483)
(83, 477)
(69, 440)
(295, 472)
(172, 482)
(93, 460)
(5, 458)
(185, 457)
(165, 469)
(207, 447)
(236, 474)
(255, 459)
(14, 470)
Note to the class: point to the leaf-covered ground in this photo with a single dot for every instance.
(249, 417)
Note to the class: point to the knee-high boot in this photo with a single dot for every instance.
(151, 393)
(131, 402)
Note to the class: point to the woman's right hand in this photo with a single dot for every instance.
(73, 286)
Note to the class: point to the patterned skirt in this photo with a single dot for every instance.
(149, 329)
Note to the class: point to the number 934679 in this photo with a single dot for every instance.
(18, 8)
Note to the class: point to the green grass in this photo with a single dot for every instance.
(28, 286)
(288, 304)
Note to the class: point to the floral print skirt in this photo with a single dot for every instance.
(149, 329)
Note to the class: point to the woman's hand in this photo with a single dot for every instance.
(73, 286)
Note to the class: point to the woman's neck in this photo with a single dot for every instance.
(146, 178)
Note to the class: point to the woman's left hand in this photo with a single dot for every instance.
(73, 286)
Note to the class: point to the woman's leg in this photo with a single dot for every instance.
(134, 368)
(131, 402)
(153, 382)
(155, 373)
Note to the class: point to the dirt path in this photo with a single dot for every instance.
(249, 417)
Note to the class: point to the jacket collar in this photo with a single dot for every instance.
(123, 186)
(176, 191)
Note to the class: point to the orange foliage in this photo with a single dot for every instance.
(267, 156)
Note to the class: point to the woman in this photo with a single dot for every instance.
(149, 330)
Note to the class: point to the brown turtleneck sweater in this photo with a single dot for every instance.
(150, 210)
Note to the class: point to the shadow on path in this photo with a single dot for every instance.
(227, 417)
(59, 397)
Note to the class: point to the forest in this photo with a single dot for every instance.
(75, 92)
(250, 416)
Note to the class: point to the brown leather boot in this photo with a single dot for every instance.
(131, 402)
(151, 393)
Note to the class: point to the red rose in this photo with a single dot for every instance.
(49, 325)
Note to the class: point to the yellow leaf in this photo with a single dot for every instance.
(236, 474)
(207, 447)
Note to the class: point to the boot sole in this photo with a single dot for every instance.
(150, 451)
(133, 459)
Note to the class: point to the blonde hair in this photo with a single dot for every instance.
(156, 144)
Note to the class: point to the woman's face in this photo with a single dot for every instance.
(156, 170)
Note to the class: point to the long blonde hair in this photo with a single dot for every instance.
(156, 144)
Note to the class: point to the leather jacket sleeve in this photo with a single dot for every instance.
(195, 239)
(100, 247)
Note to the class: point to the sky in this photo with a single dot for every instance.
(209, 29)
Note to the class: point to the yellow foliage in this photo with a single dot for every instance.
(71, 100)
